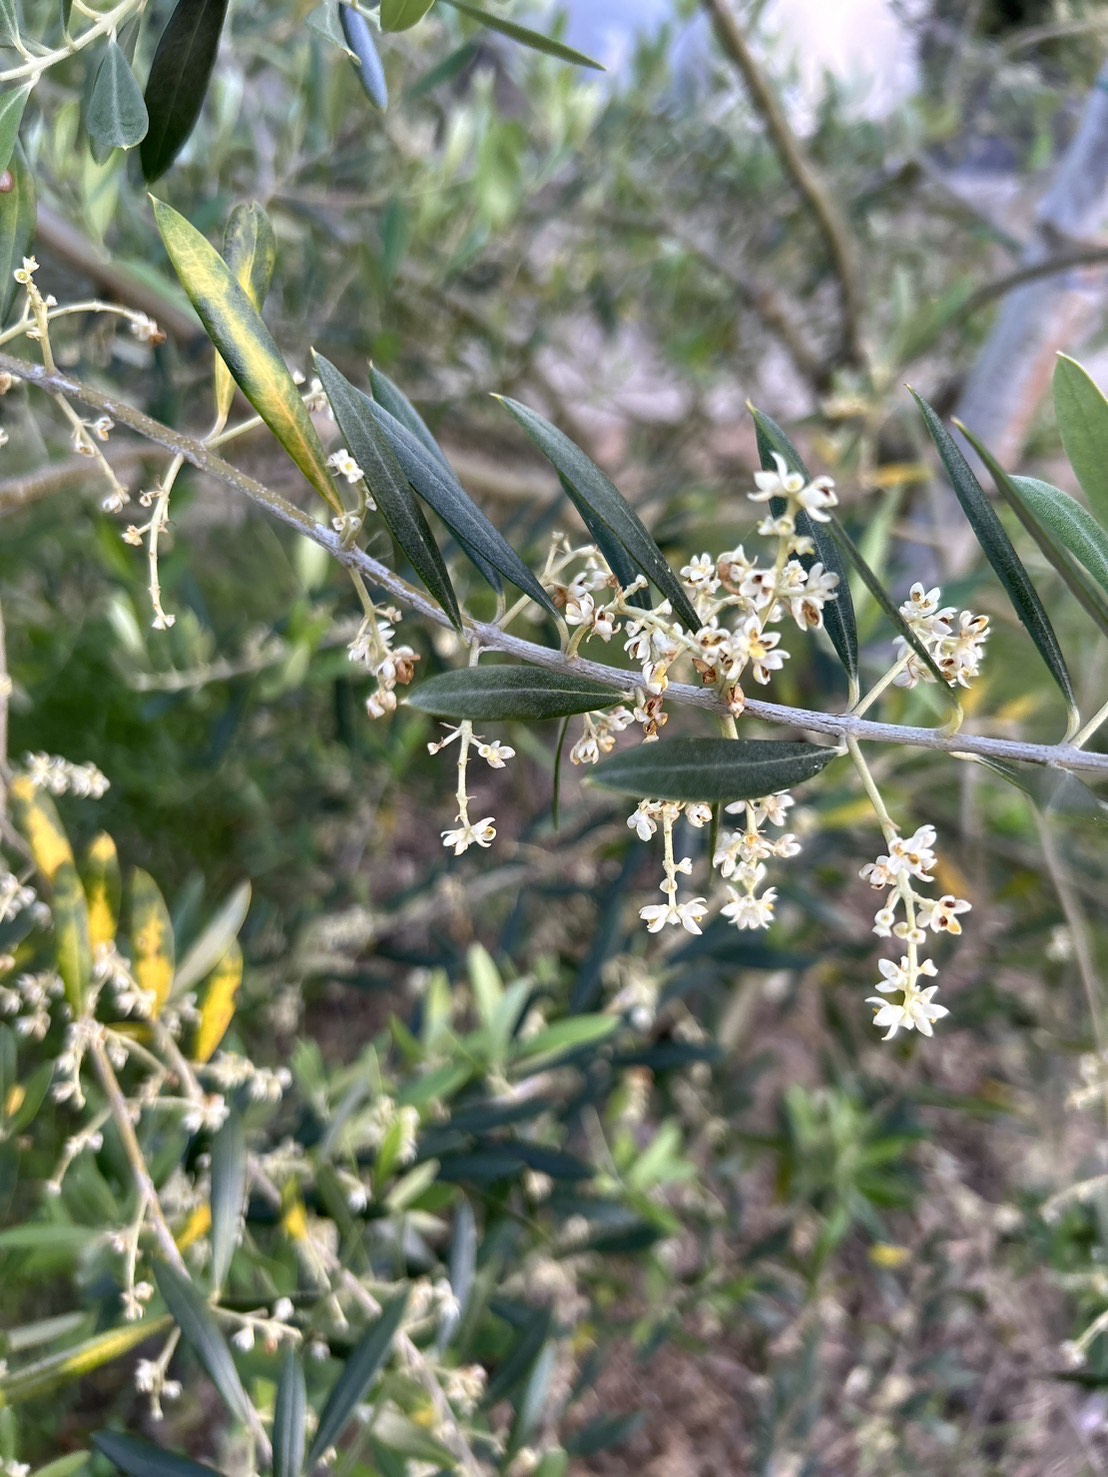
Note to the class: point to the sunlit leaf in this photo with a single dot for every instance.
(142, 1459)
(69, 1365)
(400, 15)
(115, 117)
(711, 770)
(998, 549)
(37, 818)
(357, 1375)
(152, 946)
(1071, 524)
(388, 484)
(217, 1003)
(359, 38)
(246, 345)
(250, 250)
(533, 39)
(489, 693)
(17, 227)
(201, 1332)
(103, 890)
(590, 488)
(563, 1036)
(1082, 414)
(178, 81)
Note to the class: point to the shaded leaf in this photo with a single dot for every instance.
(1082, 414)
(463, 1254)
(45, 1375)
(115, 117)
(591, 489)
(12, 105)
(439, 487)
(1056, 792)
(37, 818)
(250, 250)
(103, 890)
(211, 946)
(533, 39)
(392, 398)
(288, 1419)
(246, 345)
(997, 547)
(152, 946)
(178, 80)
(143, 1459)
(357, 1375)
(711, 770)
(17, 227)
(401, 15)
(388, 484)
(838, 614)
(11, 22)
(359, 38)
(217, 1007)
(228, 1193)
(201, 1332)
(503, 692)
(1071, 524)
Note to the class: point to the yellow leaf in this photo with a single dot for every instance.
(888, 1257)
(198, 1224)
(295, 1221)
(218, 1009)
(37, 818)
(102, 889)
(250, 250)
(152, 952)
(246, 345)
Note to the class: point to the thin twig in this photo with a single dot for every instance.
(494, 638)
(802, 172)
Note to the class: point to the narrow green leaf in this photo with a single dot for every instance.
(1082, 414)
(998, 550)
(463, 1255)
(487, 694)
(288, 1419)
(1056, 792)
(563, 1036)
(357, 1375)
(590, 489)
(250, 250)
(885, 601)
(1086, 594)
(11, 22)
(246, 345)
(228, 1194)
(442, 491)
(142, 1459)
(618, 560)
(116, 116)
(443, 71)
(205, 952)
(712, 770)
(324, 20)
(401, 15)
(533, 39)
(838, 614)
(1070, 523)
(17, 227)
(64, 1368)
(201, 1332)
(392, 398)
(64, 1466)
(556, 797)
(178, 81)
(12, 105)
(359, 38)
(386, 480)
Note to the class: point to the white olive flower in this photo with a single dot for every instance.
(942, 916)
(481, 833)
(745, 910)
(344, 464)
(496, 754)
(689, 915)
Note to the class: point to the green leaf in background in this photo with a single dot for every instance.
(206, 951)
(228, 1193)
(1085, 593)
(711, 770)
(17, 227)
(463, 1254)
(1056, 792)
(250, 250)
(178, 80)
(591, 489)
(838, 614)
(141, 1459)
(491, 693)
(359, 38)
(1070, 523)
(438, 486)
(64, 1466)
(357, 1375)
(12, 105)
(201, 1332)
(246, 346)
(1082, 414)
(563, 1036)
(288, 1419)
(401, 15)
(116, 116)
(386, 480)
(533, 39)
(997, 547)
(45, 1375)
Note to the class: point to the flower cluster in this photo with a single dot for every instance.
(954, 640)
(741, 855)
(496, 754)
(644, 821)
(60, 777)
(909, 860)
(393, 666)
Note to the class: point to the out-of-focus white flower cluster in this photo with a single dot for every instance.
(59, 777)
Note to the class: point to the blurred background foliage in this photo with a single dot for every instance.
(855, 1270)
